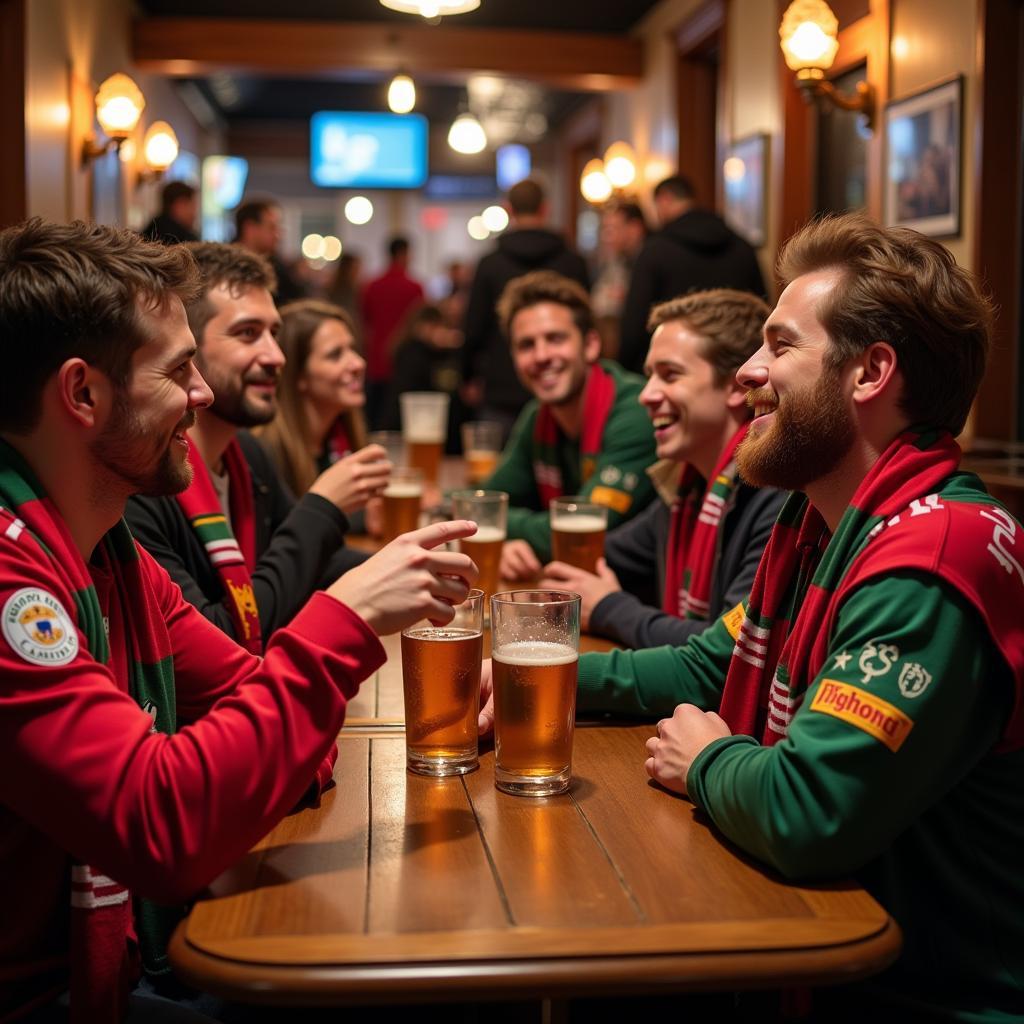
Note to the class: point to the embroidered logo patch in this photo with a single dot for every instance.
(733, 620)
(914, 679)
(877, 659)
(38, 628)
(864, 711)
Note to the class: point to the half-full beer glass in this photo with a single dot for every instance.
(401, 502)
(481, 448)
(425, 429)
(441, 681)
(535, 640)
(489, 510)
(578, 527)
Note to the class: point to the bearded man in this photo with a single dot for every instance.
(861, 712)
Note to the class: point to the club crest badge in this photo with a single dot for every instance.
(914, 680)
(38, 628)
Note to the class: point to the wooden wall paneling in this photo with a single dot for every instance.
(13, 168)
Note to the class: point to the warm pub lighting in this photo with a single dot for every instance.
(119, 105)
(495, 218)
(594, 183)
(431, 8)
(620, 164)
(467, 135)
(401, 94)
(358, 210)
(809, 37)
(160, 147)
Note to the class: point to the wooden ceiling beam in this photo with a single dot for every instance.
(199, 46)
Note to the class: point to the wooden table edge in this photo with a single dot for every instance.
(497, 978)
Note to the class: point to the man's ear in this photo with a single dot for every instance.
(874, 371)
(592, 346)
(84, 392)
(735, 394)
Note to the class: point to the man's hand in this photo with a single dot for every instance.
(518, 562)
(560, 576)
(352, 481)
(409, 580)
(485, 721)
(680, 739)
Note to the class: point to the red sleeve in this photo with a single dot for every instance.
(165, 814)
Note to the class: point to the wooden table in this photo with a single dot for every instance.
(403, 888)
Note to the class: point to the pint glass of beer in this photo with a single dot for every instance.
(535, 639)
(392, 442)
(578, 527)
(489, 510)
(441, 680)
(481, 448)
(425, 429)
(401, 504)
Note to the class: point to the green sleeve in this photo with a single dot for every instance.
(652, 682)
(834, 794)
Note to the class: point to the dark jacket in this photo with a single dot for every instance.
(485, 353)
(636, 554)
(299, 547)
(691, 253)
(167, 230)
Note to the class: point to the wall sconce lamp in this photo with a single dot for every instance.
(119, 105)
(809, 37)
(616, 172)
(159, 150)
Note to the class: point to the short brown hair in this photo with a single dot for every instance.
(526, 197)
(729, 321)
(544, 286)
(76, 290)
(898, 286)
(220, 263)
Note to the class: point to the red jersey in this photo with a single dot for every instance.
(387, 300)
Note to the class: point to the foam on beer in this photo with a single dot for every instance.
(578, 523)
(485, 535)
(535, 652)
(403, 489)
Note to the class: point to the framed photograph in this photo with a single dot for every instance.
(744, 173)
(923, 142)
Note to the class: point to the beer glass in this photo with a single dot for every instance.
(577, 532)
(441, 681)
(489, 510)
(535, 640)
(392, 442)
(401, 502)
(425, 429)
(481, 448)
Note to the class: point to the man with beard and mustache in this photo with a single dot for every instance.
(244, 552)
(583, 433)
(862, 712)
(144, 750)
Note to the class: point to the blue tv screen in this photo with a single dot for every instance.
(362, 150)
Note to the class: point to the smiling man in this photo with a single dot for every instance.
(691, 554)
(583, 433)
(861, 712)
(242, 550)
(143, 750)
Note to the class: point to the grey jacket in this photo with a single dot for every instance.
(636, 554)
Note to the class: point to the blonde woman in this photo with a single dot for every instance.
(320, 398)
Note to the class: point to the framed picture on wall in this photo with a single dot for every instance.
(744, 173)
(923, 136)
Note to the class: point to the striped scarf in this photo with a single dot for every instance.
(599, 397)
(697, 515)
(234, 559)
(103, 967)
(896, 520)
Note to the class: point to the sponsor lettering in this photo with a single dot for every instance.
(1005, 529)
(864, 711)
(612, 498)
(733, 620)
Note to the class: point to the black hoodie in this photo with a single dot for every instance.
(695, 251)
(486, 353)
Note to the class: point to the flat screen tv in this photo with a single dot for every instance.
(364, 150)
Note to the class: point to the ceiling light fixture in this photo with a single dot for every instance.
(401, 94)
(466, 135)
(160, 148)
(431, 8)
(119, 105)
(358, 210)
(620, 164)
(594, 183)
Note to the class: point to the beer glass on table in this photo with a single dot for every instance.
(578, 527)
(425, 429)
(535, 639)
(489, 510)
(441, 682)
(481, 448)
(401, 502)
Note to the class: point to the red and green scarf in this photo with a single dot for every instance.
(231, 547)
(896, 520)
(697, 515)
(103, 964)
(598, 399)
